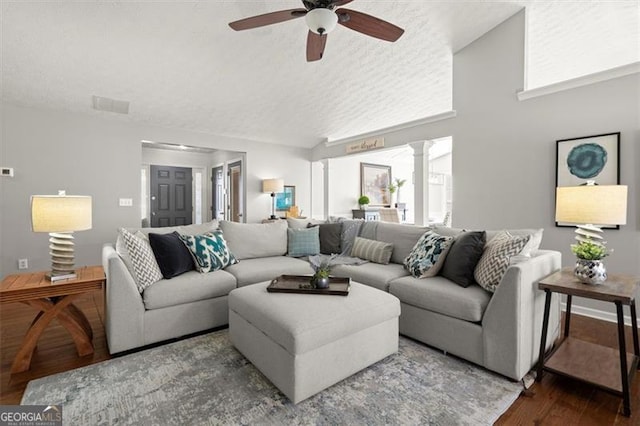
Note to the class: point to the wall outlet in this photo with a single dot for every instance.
(23, 263)
(126, 202)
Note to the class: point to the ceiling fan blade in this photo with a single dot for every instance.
(267, 19)
(315, 46)
(369, 25)
(340, 2)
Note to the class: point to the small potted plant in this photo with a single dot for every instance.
(322, 267)
(363, 201)
(589, 267)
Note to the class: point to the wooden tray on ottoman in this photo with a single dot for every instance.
(291, 284)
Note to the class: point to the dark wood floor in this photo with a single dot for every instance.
(555, 400)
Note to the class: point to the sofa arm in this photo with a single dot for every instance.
(512, 322)
(124, 308)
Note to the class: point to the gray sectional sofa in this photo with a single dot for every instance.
(499, 331)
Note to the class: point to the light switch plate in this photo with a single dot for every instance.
(126, 202)
(6, 171)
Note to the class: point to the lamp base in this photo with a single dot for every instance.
(273, 217)
(61, 250)
(589, 233)
(59, 277)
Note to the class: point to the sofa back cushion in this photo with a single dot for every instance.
(403, 238)
(251, 240)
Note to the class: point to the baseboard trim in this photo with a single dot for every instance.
(596, 313)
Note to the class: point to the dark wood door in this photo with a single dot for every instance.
(217, 179)
(171, 196)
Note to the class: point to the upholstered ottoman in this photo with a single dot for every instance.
(305, 343)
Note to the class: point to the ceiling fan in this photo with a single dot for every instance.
(321, 19)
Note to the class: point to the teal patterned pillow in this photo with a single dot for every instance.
(209, 251)
(303, 242)
(427, 256)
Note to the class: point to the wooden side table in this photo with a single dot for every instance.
(52, 300)
(591, 363)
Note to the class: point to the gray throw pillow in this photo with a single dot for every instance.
(463, 257)
(329, 237)
(303, 242)
(350, 230)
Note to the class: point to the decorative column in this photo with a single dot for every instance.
(421, 181)
(326, 175)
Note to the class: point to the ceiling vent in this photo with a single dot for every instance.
(110, 105)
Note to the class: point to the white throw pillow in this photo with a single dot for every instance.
(496, 258)
(144, 262)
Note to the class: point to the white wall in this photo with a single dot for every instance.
(504, 149)
(85, 155)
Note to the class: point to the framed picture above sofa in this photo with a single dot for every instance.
(286, 199)
(374, 183)
(588, 158)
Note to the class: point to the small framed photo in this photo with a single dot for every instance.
(286, 199)
(588, 158)
(374, 183)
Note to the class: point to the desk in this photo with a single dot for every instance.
(52, 300)
(591, 363)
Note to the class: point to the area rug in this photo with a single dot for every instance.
(205, 380)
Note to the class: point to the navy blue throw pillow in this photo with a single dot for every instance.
(173, 257)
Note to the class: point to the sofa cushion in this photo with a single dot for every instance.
(173, 257)
(496, 258)
(372, 274)
(403, 237)
(440, 295)
(463, 257)
(329, 237)
(189, 287)
(251, 271)
(375, 251)
(303, 242)
(195, 229)
(251, 240)
(301, 223)
(428, 255)
(145, 266)
(209, 251)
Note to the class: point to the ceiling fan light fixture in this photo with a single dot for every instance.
(321, 21)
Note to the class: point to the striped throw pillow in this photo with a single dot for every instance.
(374, 251)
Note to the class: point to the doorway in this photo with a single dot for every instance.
(171, 196)
(217, 196)
(235, 206)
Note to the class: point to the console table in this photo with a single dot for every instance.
(591, 363)
(366, 214)
(52, 300)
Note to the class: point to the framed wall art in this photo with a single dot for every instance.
(374, 183)
(286, 199)
(588, 158)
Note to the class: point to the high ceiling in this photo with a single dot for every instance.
(180, 65)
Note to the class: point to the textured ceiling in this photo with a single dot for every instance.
(180, 65)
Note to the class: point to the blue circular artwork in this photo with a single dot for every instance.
(587, 160)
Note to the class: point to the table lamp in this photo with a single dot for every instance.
(589, 206)
(272, 186)
(60, 215)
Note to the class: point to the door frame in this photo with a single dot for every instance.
(243, 189)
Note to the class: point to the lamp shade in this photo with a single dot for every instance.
(271, 186)
(60, 213)
(592, 204)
